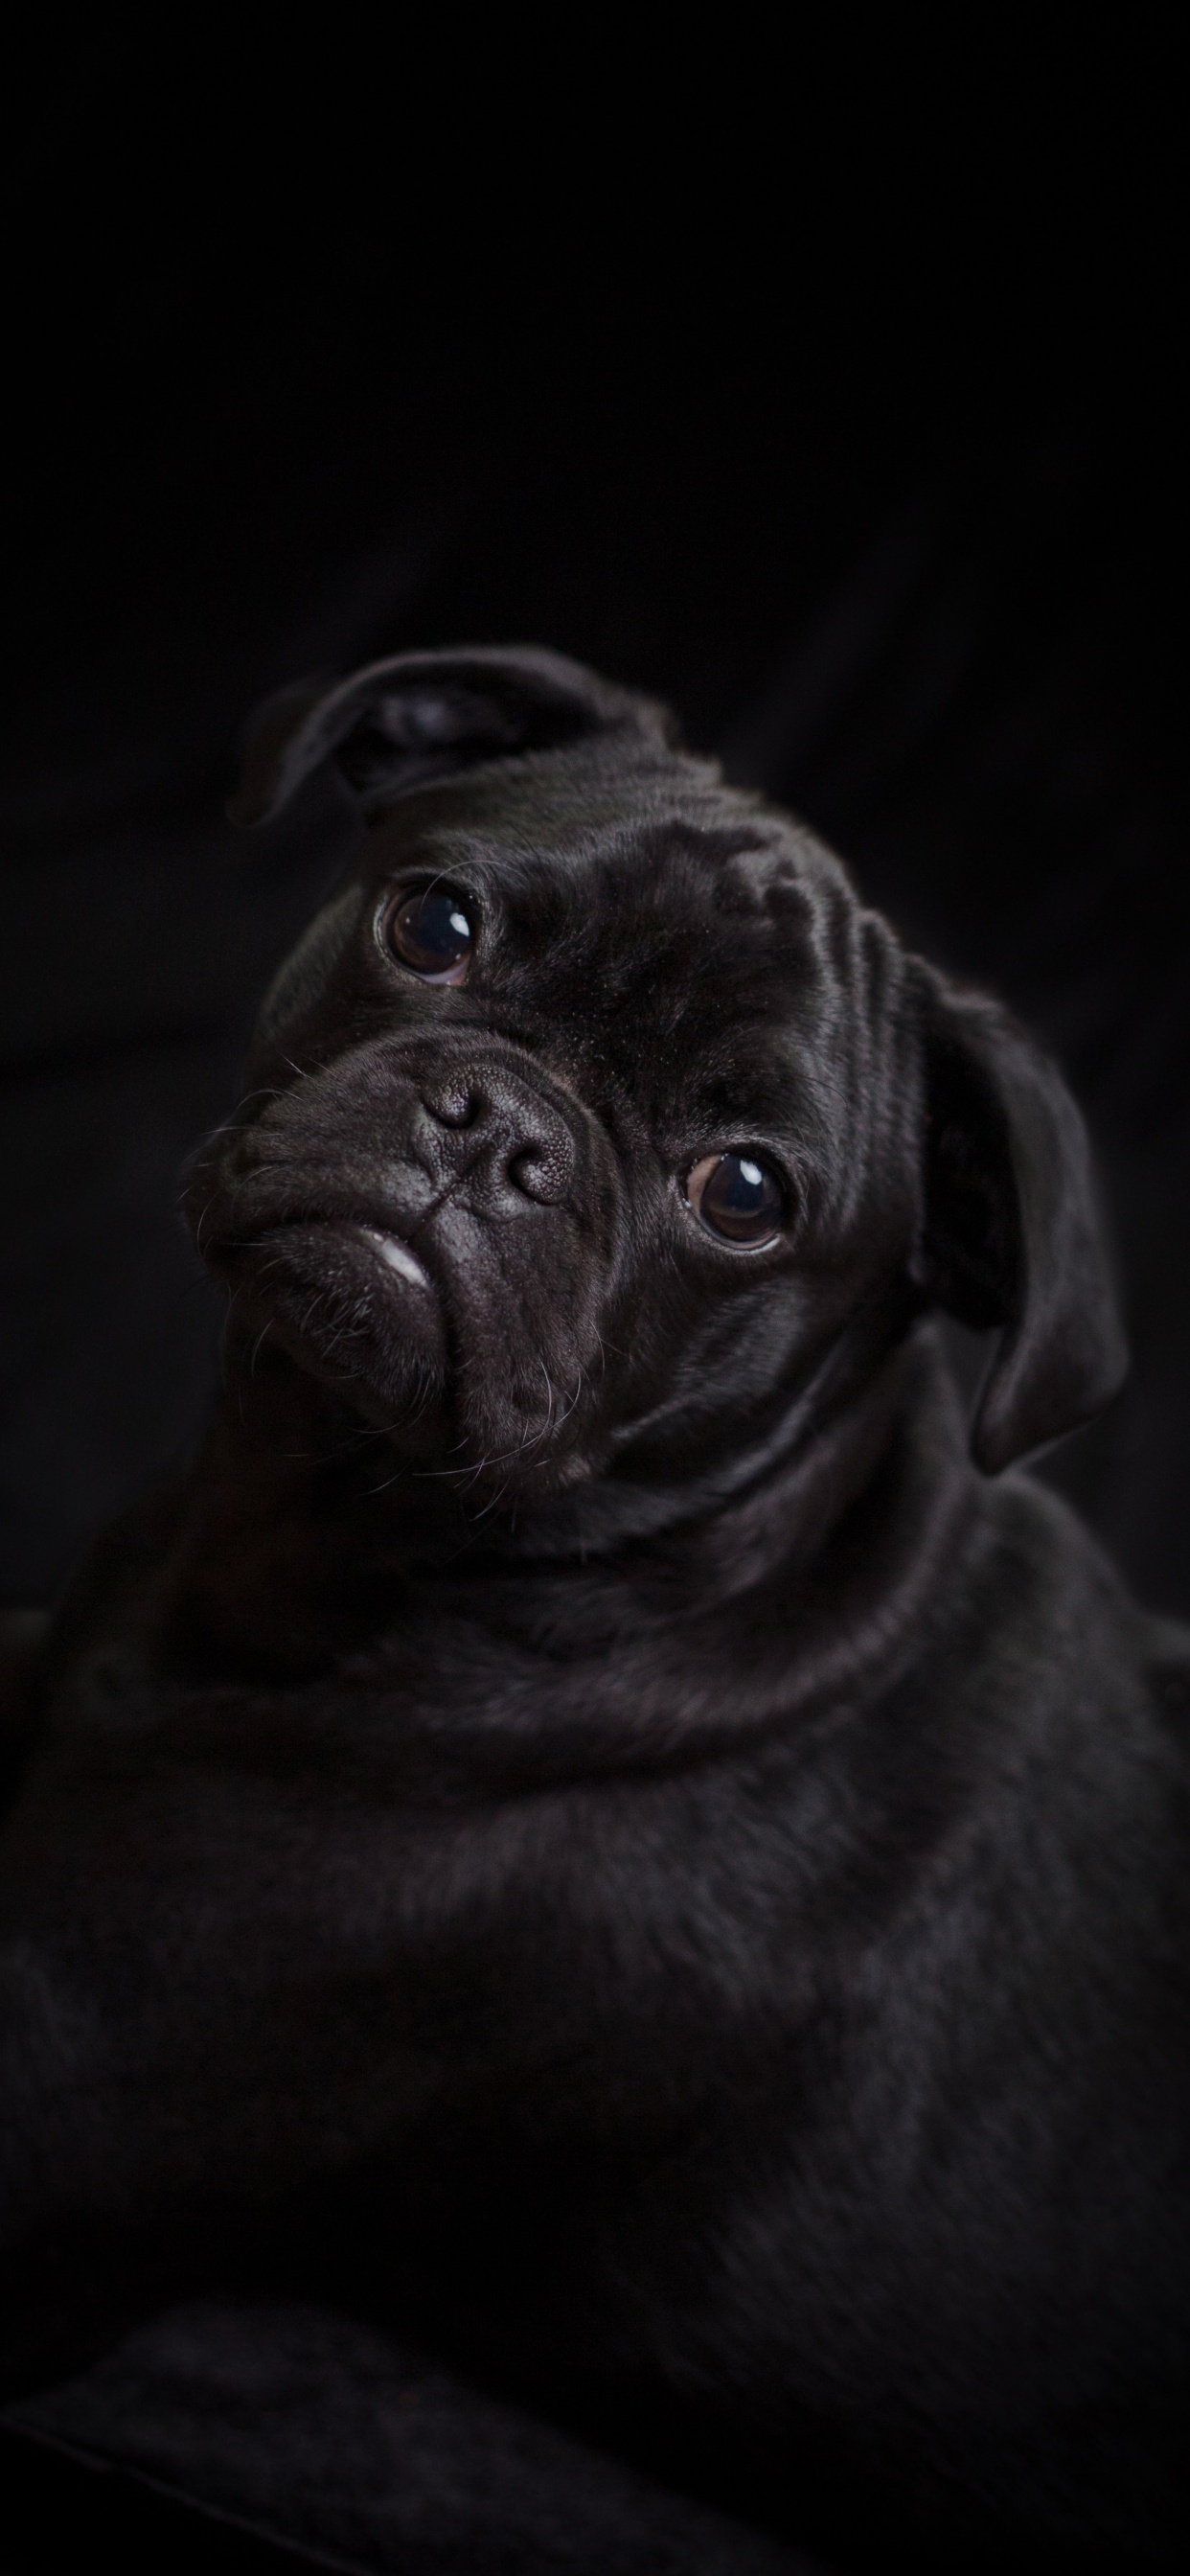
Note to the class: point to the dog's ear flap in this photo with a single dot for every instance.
(423, 716)
(1013, 1236)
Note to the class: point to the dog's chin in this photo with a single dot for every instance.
(357, 1309)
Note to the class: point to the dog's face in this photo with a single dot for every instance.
(593, 1109)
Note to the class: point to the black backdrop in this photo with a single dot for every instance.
(846, 421)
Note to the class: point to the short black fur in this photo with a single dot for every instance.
(585, 1823)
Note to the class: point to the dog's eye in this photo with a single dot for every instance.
(737, 1197)
(431, 932)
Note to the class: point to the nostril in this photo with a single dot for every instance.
(541, 1172)
(453, 1104)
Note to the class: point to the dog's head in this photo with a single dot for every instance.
(593, 1112)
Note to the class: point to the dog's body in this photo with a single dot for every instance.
(586, 1818)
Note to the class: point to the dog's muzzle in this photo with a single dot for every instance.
(438, 1212)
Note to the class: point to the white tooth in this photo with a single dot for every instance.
(397, 1255)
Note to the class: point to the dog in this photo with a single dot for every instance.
(596, 1817)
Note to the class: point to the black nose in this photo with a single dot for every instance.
(489, 1122)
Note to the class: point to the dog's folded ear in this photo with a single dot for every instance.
(1013, 1235)
(422, 716)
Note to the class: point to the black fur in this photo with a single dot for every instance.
(585, 1823)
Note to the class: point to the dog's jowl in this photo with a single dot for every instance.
(597, 1819)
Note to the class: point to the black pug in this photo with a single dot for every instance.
(584, 1820)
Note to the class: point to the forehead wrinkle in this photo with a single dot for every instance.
(636, 906)
(567, 818)
(567, 802)
(678, 878)
(865, 1042)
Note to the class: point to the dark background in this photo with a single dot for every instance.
(833, 399)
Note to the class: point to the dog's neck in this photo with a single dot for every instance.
(294, 1552)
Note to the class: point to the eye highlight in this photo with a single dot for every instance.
(431, 932)
(737, 1197)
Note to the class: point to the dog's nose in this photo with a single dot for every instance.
(493, 1122)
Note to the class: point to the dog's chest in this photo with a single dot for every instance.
(597, 1944)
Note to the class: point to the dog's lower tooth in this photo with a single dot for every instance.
(397, 1255)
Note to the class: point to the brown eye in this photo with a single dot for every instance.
(431, 932)
(737, 1197)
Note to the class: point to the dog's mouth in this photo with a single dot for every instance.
(388, 1248)
(310, 1236)
(350, 1300)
